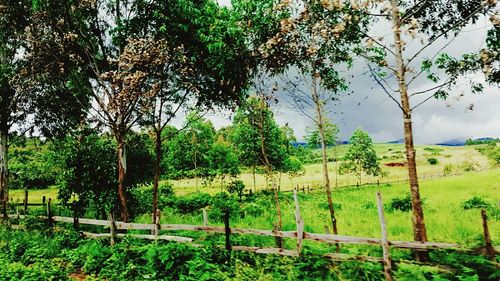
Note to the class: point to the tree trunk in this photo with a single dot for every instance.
(156, 180)
(419, 230)
(122, 171)
(4, 131)
(319, 113)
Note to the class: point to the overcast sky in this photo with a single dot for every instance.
(436, 121)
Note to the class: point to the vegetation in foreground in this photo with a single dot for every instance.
(63, 255)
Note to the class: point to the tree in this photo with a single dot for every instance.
(257, 137)
(223, 161)
(435, 24)
(360, 156)
(210, 71)
(313, 39)
(88, 169)
(331, 131)
(189, 149)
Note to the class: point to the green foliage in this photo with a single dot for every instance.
(31, 165)
(492, 151)
(468, 166)
(401, 203)
(293, 167)
(142, 197)
(236, 187)
(224, 204)
(257, 137)
(193, 203)
(331, 135)
(448, 168)
(87, 162)
(360, 156)
(188, 152)
(475, 203)
(432, 161)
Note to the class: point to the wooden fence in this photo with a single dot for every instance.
(299, 234)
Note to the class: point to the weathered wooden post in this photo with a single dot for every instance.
(487, 238)
(386, 250)
(227, 231)
(303, 189)
(157, 226)
(49, 213)
(43, 200)
(112, 228)
(76, 221)
(327, 229)
(299, 222)
(205, 217)
(25, 201)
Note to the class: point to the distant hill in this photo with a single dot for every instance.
(454, 142)
(397, 141)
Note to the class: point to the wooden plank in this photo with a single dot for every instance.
(112, 228)
(134, 226)
(259, 250)
(140, 236)
(346, 257)
(332, 238)
(425, 245)
(386, 248)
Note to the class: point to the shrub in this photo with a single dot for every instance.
(236, 187)
(192, 203)
(253, 209)
(401, 203)
(448, 168)
(468, 166)
(432, 161)
(475, 203)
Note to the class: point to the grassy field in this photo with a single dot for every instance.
(457, 157)
(357, 215)
(446, 219)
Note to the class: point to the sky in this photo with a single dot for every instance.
(369, 108)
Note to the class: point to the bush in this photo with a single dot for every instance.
(401, 203)
(468, 166)
(432, 161)
(253, 209)
(192, 203)
(475, 203)
(236, 187)
(141, 199)
(448, 168)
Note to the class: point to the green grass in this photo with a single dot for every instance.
(389, 153)
(445, 218)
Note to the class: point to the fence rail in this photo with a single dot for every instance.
(299, 234)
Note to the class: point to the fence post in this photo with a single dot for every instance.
(49, 213)
(112, 228)
(300, 223)
(386, 250)
(227, 231)
(25, 201)
(303, 189)
(43, 200)
(205, 217)
(327, 229)
(76, 222)
(157, 224)
(489, 247)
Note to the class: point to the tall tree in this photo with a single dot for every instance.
(313, 39)
(435, 24)
(113, 51)
(13, 21)
(211, 71)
